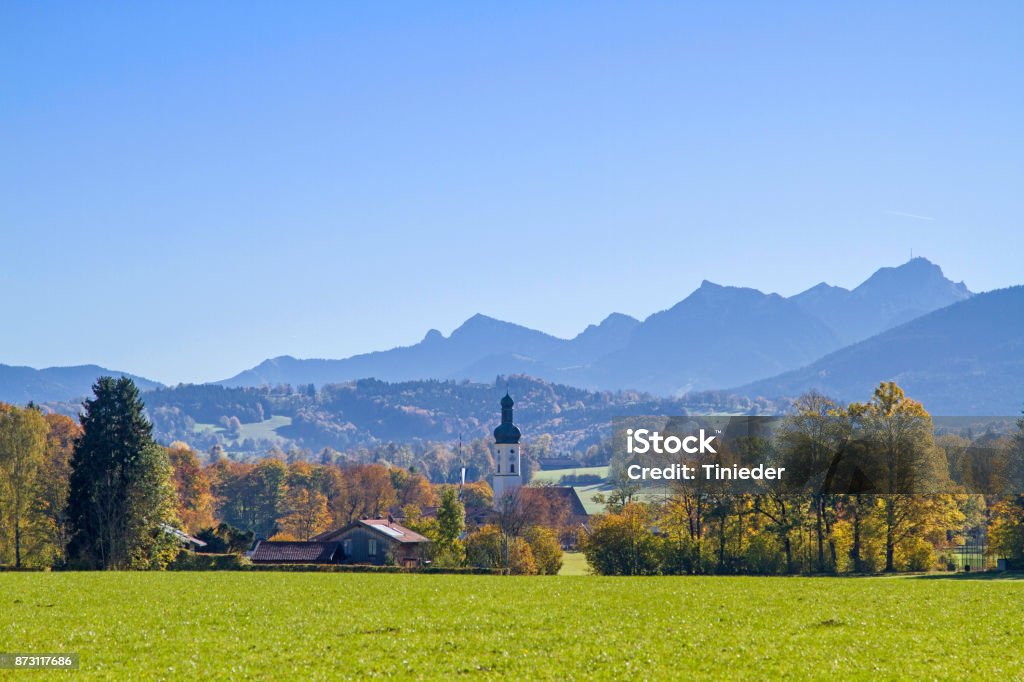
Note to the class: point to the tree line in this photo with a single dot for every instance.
(102, 494)
(909, 513)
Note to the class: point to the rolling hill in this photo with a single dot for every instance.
(56, 384)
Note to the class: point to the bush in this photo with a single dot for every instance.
(483, 547)
(187, 561)
(623, 544)
(918, 555)
(764, 556)
(520, 558)
(546, 550)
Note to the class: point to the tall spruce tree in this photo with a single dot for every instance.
(121, 489)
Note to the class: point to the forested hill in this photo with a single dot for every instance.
(367, 412)
(20, 385)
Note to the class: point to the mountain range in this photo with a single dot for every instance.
(718, 336)
(956, 351)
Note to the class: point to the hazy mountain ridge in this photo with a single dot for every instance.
(56, 384)
(964, 359)
(717, 336)
(890, 297)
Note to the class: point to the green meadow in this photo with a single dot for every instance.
(337, 625)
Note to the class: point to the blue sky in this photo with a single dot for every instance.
(187, 189)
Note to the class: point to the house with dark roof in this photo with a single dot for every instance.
(274, 552)
(377, 541)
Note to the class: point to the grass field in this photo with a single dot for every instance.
(319, 626)
(264, 430)
(574, 563)
(555, 475)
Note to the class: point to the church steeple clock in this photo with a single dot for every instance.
(507, 453)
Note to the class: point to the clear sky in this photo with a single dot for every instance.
(188, 189)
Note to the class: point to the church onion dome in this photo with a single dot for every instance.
(507, 433)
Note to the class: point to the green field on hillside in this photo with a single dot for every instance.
(348, 625)
(555, 475)
(264, 430)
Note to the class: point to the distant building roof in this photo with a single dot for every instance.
(558, 463)
(181, 535)
(270, 552)
(383, 527)
(565, 495)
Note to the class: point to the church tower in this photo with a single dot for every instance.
(507, 453)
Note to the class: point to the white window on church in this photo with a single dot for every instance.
(373, 547)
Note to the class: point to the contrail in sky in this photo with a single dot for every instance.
(910, 215)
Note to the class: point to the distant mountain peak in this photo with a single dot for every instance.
(916, 271)
(478, 321)
(823, 287)
(889, 297)
(433, 335)
(618, 318)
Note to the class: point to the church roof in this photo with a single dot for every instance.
(507, 432)
(563, 495)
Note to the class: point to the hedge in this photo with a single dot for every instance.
(188, 561)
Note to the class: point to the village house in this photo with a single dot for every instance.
(378, 542)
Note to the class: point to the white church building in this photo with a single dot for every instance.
(508, 475)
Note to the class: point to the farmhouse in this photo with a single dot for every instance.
(377, 541)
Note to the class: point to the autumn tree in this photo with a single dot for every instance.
(546, 550)
(451, 519)
(477, 495)
(192, 488)
(622, 543)
(265, 487)
(307, 513)
(366, 492)
(484, 547)
(809, 440)
(412, 488)
(901, 458)
(51, 491)
(520, 558)
(22, 448)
